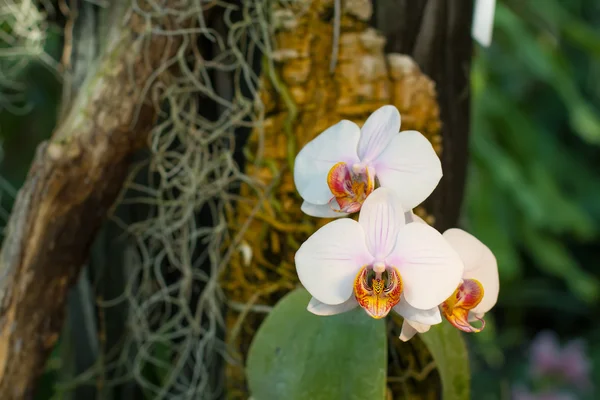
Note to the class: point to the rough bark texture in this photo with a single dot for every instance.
(437, 34)
(73, 181)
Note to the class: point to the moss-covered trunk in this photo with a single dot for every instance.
(73, 181)
(418, 62)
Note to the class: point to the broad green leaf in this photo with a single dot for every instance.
(296, 355)
(446, 345)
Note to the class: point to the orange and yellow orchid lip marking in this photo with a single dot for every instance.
(456, 308)
(377, 292)
(350, 187)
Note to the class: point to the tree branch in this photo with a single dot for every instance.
(73, 181)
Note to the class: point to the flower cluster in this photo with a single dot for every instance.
(388, 258)
(569, 364)
(555, 372)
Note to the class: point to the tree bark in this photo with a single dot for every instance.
(437, 34)
(73, 181)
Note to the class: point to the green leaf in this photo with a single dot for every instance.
(446, 345)
(296, 355)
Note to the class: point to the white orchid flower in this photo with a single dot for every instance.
(478, 290)
(335, 172)
(379, 263)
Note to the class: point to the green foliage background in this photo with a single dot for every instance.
(534, 180)
(534, 186)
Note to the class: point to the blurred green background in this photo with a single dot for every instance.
(533, 192)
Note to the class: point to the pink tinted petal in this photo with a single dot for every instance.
(428, 317)
(329, 260)
(377, 132)
(576, 365)
(381, 217)
(480, 264)
(430, 269)
(410, 167)
(335, 144)
(318, 308)
(321, 210)
(545, 354)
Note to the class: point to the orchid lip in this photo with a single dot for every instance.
(349, 186)
(377, 292)
(456, 309)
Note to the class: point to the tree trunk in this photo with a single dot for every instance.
(320, 76)
(437, 34)
(73, 181)
(77, 175)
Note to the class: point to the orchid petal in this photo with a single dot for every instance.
(411, 217)
(321, 210)
(318, 308)
(328, 261)
(337, 143)
(347, 205)
(407, 331)
(381, 216)
(428, 317)
(421, 328)
(475, 316)
(480, 264)
(410, 167)
(430, 269)
(411, 328)
(377, 132)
